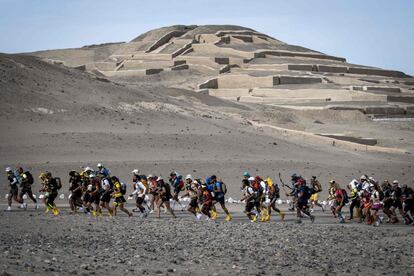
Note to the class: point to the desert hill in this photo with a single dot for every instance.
(204, 99)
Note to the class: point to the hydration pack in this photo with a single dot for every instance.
(123, 188)
(345, 196)
(30, 179)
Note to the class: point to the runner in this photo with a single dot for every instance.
(408, 199)
(220, 190)
(192, 191)
(376, 197)
(273, 194)
(107, 190)
(314, 199)
(95, 194)
(14, 189)
(355, 202)
(396, 194)
(164, 191)
(177, 184)
(207, 199)
(250, 197)
(51, 187)
(75, 189)
(341, 198)
(140, 190)
(302, 194)
(118, 195)
(104, 171)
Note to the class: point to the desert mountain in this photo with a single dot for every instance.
(204, 99)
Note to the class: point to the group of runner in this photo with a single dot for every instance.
(91, 192)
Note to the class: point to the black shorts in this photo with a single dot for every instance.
(52, 196)
(94, 198)
(387, 203)
(219, 198)
(86, 197)
(14, 191)
(120, 200)
(249, 206)
(25, 190)
(397, 204)
(106, 197)
(193, 203)
(302, 204)
(166, 197)
(139, 200)
(76, 200)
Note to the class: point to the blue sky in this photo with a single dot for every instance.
(370, 32)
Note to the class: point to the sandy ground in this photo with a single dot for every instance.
(37, 244)
(58, 119)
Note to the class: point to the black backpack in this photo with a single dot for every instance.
(58, 183)
(123, 188)
(30, 179)
(345, 195)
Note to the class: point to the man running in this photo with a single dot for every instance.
(192, 191)
(177, 184)
(273, 194)
(340, 200)
(220, 189)
(408, 199)
(164, 191)
(249, 196)
(302, 195)
(52, 185)
(75, 189)
(95, 194)
(102, 170)
(26, 182)
(355, 202)
(314, 199)
(14, 189)
(118, 195)
(107, 190)
(396, 194)
(139, 191)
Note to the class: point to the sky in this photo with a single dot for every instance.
(370, 32)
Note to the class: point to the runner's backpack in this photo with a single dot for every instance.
(58, 183)
(123, 188)
(17, 175)
(306, 192)
(223, 187)
(345, 195)
(30, 179)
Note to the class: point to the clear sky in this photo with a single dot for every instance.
(369, 32)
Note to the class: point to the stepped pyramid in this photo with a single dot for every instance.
(241, 64)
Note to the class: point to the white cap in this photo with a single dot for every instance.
(188, 177)
(87, 169)
(99, 165)
(8, 169)
(251, 178)
(363, 177)
(150, 176)
(395, 182)
(135, 171)
(159, 178)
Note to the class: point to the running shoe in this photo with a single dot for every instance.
(8, 209)
(228, 218)
(312, 218)
(282, 216)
